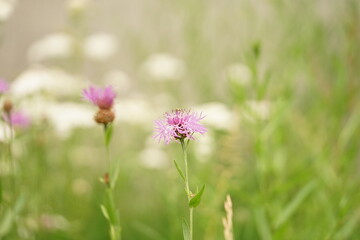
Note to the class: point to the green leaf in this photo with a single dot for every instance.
(115, 174)
(108, 133)
(351, 225)
(195, 201)
(179, 170)
(105, 212)
(295, 203)
(112, 212)
(186, 230)
(1, 191)
(10, 216)
(6, 223)
(147, 231)
(262, 224)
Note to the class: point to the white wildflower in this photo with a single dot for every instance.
(239, 73)
(257, 109)
(65, 117)
(163, 67)
(204, 147)
(48, 80)
(134, 111)
(218, 115)
(6, 9)
(77, 5)
(52, 46)
(153, 157)
(100, 46)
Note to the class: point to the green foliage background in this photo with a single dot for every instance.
(294, 175)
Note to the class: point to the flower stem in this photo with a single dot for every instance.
(11, 160)
(187, 187)
(113, 217)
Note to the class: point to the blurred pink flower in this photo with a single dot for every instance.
(17, 119)
(179, 124)
(103, 98)
(4, 86)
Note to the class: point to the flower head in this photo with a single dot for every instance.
(4, 86)
(102, 97)
(17, 119)
(179, 124)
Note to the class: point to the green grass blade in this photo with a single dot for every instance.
(262, 224)
(186, 230)
(295, 204)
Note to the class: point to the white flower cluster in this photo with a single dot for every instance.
(60, 45)
(6, 9)
(163, 67)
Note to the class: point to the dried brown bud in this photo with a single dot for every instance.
(104, 116)
(7, 106)
(107, 179)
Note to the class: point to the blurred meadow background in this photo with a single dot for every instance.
(277, 80)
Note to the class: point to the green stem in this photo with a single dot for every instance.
(11, 160)
(188, 192)
(107, 159)
(114, 221)
(115, 229)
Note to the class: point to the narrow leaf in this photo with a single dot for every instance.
(10, 216)
(147, 231)
(295, 203)
(6, 223)
(179, 170)
(1, 191)
(195, 201)
(112, 212)
(262, 224)
(115, 175)
(105, 212)
(347, 230)
(186, 230)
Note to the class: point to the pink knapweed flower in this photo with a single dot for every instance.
(4, 86)
(17, 119)
(177, 125)
(102, 97)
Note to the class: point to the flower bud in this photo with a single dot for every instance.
(104, 116)
(7, 106)
(107, 179)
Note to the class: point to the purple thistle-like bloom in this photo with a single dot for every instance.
(17, 119)
(4, 86)
(177, 125)
(102, 97)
